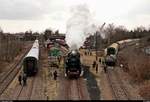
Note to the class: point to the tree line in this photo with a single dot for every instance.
(112, 33)
(10, 46)
(12, 43)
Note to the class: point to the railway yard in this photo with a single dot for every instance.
(74, 50)
(113, 85)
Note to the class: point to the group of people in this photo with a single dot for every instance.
(88, 53)
(22, 78)
(102, 61)
(53, 74)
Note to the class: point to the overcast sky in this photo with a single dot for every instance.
(37, 15)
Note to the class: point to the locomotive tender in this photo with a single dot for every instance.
(31, 60)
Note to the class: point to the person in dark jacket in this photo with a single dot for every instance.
(59, 59)
(19, 79)
(55, 75)
(96, 68)
(94, 64)
(90, 53)
(105, 68)
(85, 53)
(24, 79)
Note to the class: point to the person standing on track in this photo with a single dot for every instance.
(102, 60)
(97, 68)
(104, 64)
(24, 79)
(20, 79)
(105, 68)
(85, 53)
(59, 59)
(94, 64)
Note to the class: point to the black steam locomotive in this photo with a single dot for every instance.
(73, 64)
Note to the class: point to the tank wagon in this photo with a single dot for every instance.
(31, 60)
(73, 67)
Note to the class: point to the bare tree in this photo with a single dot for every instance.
(0, 45)
(47, 33)
(9, 47)
(109, 32)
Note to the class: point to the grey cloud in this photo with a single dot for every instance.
(58, 16)
(23, 9)
(142, 9)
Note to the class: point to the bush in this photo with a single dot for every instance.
(121, 59)
(145, 92)
(136, 63)
(139, 66)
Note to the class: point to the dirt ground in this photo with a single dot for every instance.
(100, 77)
(106, 91)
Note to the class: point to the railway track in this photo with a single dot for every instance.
(80, 90)
(75, 90)
(19, 92)
(8, 77)
(25, 92)
(72, 89)
(119, 91)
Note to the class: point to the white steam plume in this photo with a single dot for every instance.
(79, 26)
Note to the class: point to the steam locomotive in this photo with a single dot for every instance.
(73, 67)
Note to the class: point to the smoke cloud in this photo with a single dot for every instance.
(79, 26)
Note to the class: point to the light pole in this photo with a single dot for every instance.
(96, 39)
(96, 44)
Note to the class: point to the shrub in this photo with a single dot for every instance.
(145, 92)
(139, 66)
